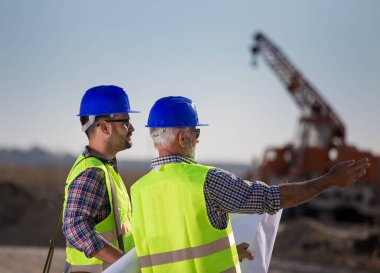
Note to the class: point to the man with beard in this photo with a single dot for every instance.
(97, 210)
(181, 207)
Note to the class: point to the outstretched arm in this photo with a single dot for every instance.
(341, 175)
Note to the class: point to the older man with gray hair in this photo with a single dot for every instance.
(180, 208)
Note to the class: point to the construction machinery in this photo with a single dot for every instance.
(319, 145)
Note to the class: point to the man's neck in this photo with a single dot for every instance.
(166, 151)
(101, 153)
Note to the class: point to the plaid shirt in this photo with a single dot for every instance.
(87, 205)
(225, 193)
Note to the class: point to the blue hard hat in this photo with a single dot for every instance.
(105, 100)
(173, 112)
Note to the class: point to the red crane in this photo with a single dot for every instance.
(320, 143)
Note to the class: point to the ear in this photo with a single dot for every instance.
(181, 138)
(105, 128)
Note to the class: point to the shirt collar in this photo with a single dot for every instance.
(112, 162)
(171, 159)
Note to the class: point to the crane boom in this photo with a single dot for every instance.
(312, 105)
(318, 145)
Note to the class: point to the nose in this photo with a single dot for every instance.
(131, 128)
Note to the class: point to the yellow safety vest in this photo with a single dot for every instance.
(173, 232)
(76, 260)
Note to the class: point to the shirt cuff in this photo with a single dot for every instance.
(276, 199)
(93, 244)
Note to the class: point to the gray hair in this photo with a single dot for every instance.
(165, 136)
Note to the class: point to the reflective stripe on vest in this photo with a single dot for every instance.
(95, 268)
(187, 253)
(234, 269)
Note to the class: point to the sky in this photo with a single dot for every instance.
(51, 52)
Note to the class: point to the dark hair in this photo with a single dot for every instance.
(84, 120)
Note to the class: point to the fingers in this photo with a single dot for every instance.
(348, 172)
(355, 166)
(363, 163)
(243, 253)
(244, 246)
(362, 173)
(356, 163)
(359, 173)
(247, 255)
(360, 167)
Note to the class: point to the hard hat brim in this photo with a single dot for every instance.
(100, 114)
(166, 126)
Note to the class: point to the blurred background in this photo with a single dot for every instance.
(52, 52)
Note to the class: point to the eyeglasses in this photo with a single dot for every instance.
(197, 132)
(126, 121)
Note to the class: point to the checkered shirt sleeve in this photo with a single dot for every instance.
(87, 204)
(225, 193)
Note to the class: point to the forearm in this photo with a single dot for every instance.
(294, 194)
(83, 238)
(108, 254)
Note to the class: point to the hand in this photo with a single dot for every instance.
(346, 173)
(243, 253)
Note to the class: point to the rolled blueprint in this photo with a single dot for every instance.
(259, 231)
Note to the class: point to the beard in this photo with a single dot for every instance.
(191, 152)
(127, 145)
(122, 144)
(128, 141)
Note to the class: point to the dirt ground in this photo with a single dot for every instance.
(28, 259)
(332, 246)
(30, 201)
